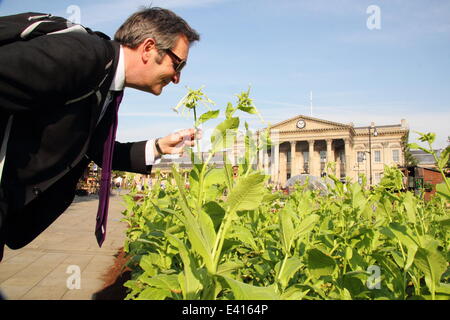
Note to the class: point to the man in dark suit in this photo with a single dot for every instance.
(61, 90)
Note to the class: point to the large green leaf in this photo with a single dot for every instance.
(432, 263)
(320, 264)
(248, 193)
(194, 182)
(243, 291)
(216, 212)
(214, 176)
(200, 230)
(207, 229)
(404, 235)
(154, 294)
(391, 271)
(306, 225)
(286, 228)
(146, 263)
(207, 116)
(443, 158)
(290, 268)
(442, 190)
(189, 279)
(407, 239)
(444, 222)
(164, 281)
(248, 109)
(289, 233)
(359, 200)
(244, 235)
(295, 293)
(410, 204)
(226, 268)
(223, 135)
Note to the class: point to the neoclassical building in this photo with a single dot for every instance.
(304, 144)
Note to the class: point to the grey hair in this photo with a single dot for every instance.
(162, 25)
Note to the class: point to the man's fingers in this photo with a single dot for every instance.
(189, 134)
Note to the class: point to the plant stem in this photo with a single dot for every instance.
(201, 182)
(196, 129)
(220, 239)
(282, 267)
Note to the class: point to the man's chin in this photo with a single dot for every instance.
(156, 91)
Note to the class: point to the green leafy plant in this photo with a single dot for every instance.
(234, 237)
(441, 161)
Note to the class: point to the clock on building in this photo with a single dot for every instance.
(301, 124)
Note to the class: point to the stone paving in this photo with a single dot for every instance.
(46, 268)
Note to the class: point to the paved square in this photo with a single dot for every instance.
(47, 267)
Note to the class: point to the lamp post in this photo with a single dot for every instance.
(375, 133)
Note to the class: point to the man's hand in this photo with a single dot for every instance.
(175, 142)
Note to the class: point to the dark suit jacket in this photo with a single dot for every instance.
(54, 134)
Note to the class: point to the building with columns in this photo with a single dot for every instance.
(305, 144)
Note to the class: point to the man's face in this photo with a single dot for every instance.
(160, 71)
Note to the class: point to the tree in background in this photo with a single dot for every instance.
(410, 160)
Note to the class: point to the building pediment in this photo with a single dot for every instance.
(306, 123)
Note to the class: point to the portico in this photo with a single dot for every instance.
(305, 145)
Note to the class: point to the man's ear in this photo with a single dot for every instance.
(146, 48)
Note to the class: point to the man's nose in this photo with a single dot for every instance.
(176, 78)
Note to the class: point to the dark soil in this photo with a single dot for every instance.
(114, 279)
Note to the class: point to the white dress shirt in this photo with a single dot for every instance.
(118, 84)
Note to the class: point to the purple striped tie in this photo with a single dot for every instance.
(105, 183)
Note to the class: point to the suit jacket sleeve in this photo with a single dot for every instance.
(45, 71)
(128, 157)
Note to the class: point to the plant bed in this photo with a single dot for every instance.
(231, 236)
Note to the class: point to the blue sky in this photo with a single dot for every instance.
(284, 49)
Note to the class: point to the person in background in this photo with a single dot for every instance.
(118, 182)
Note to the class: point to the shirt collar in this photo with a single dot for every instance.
(118, 82)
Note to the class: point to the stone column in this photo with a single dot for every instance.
(348, 172)
(282, 167)
(330, 157)
(310, 160)
(338, 163)
(266, 164)
(277, 162)
(293, 159)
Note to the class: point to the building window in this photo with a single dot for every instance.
(396, 155)
(361, 156)
(323, 156)
(377, 156)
